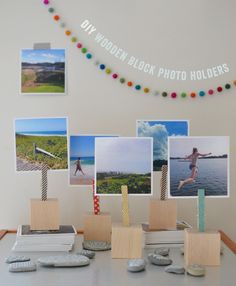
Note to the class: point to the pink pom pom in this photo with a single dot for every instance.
(210, 91)
(46, 2)
(115, 75)
(173, 94)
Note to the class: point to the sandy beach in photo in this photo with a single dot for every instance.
(79, 178)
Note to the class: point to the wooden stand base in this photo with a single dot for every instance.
(126, 242)
(162, 214)
(97, 227)
(202, 248)
(44, 214)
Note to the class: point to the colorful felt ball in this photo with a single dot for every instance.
(129, 83)
(219, 89)
(210, 91)
(122, 80)
(108, 71)
(137, 86)
(227, 86)
(102, 66)
(146, 90)
(115, 75)
(56, 17)
(183, 94)
(79, 45)
(88, 56)
(73, 39)
(193, 94)
(164, 94)
(84, 50)
(96, 63)
(46, 2)
(156, 92)
(62, 25)
(234, 82)
(201, 93)
(51, 10)
(68, 33)
(173, 95)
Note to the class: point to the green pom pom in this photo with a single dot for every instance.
(122, 80)
(84, 50)
(51, 10)
(227, 86)
(183, 94)
(164, 94)
(73, 39)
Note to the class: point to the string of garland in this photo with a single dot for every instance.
(123, 80)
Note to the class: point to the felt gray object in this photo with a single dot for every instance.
(159, 260)
(163, 251)
(88, 253)
(176, 269)
(196, 270)
(95, 245)
(13, 258)
(67, 260)
(26, 266)
(136, 265)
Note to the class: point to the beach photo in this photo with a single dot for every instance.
(43, 71)
(81, 159)
(160, 130)
(198, 163)
(41, 141)
(123, 161)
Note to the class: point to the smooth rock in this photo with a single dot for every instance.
(14, 258)
(159, 260)
(175, 269)
(136, 265)
(26, 266)
(196, 270)
(163, 251)
(96, 245)
(67, 260)
(88, 253)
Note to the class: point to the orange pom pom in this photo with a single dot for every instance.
(129, 83)
(68, 33)
(193, 94)
(56, 17)
(234, 82)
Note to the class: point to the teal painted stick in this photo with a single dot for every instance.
(201, 210)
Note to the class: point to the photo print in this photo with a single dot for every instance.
(198, 163)
(160, 130)
(123, 161)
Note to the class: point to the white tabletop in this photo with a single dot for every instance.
(104, 271)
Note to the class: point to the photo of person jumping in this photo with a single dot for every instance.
(193, 167)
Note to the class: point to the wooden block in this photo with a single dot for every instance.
(44, 214)
(126, 242)
(202, 247)
(162, 214)
(97, 227)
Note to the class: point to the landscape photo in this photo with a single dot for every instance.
(198, 163)
(160, 130)
(41, 141)
(82, 159)
(43, 71)
(123, 161)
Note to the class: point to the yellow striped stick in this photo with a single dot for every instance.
(125, 206)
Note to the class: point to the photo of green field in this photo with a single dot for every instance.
(41, 141)
(43, 71)
(123, 161)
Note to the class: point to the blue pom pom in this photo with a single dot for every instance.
(88, 56)
(102, 67)
(137, 87)
(202, 93)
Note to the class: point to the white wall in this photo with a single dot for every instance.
(175, 34)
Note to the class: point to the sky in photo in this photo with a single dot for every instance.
(182, 147)
(40, 124)
(128, 155)
(159, 131)
(43, 56)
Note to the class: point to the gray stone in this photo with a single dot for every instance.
(88, 253)
(67, 260)
(14, 258)
(136, 265)
(196, 270)
(175, 269)
(163, 251)
(159, 260)
(25, 266)
(96, 245)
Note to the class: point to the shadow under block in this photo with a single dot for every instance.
(126, 242)
(44, 215)
(202, 247)
(162, 214)
(97, 227)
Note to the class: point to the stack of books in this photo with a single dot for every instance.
(165, 237)
(47, 240)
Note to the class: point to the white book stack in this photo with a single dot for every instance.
(51, 240)
(166, 237)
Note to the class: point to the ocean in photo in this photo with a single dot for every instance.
(43, 133)
(212, 176)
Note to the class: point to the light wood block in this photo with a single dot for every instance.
(126, 242)
(44, 215)
(202, 247)
(162, 214)
(97, 227)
